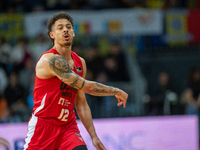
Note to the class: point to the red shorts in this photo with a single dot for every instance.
(44, 136)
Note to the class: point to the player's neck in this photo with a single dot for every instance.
(64, 51)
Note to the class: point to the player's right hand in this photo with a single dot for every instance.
(122, 98)
(98, 144)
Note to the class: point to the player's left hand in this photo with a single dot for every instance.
(122, 98)
(97, 143)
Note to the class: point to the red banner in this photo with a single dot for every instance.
(194, 25)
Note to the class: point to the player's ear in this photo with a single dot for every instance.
(51, 35)
(73, 33)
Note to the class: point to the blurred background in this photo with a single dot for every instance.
(149, 48)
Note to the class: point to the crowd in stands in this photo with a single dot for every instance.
(20, 6)
(17, 67)
(17, 75)
(17, 72)
(17, 64)
(165, 100)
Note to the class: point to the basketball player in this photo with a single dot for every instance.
(59, 85)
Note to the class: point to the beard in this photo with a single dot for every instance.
(68, 43)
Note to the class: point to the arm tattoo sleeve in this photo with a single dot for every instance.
(60, 66)
(103, 89)
(82, 84)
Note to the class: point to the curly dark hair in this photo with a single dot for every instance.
(54, 18)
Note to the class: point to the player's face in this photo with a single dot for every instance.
(62, 32)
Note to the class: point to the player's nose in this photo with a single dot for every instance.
(65, 29)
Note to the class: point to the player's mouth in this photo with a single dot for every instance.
(66, 36)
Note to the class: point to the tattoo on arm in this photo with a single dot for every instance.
(103, 89)
(74, 84)
(82, 84)
(60, 66)
(100, 85)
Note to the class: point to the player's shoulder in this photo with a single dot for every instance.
(45, 58)
(84, 66)
(82, 60)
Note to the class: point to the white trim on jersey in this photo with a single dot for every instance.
(31, 128)
(41, 105)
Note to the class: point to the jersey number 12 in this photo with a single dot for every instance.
(64, 114)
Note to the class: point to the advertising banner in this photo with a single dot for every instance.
(182, 26)
(137, 21)
(11, 26)
(147, 133)
(194, 25)
(176, 27)
(142, 133)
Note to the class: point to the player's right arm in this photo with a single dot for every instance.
(51, 65)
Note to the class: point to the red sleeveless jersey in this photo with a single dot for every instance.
(53, 99)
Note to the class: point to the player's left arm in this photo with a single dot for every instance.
(84, 113)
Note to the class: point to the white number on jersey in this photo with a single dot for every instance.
(64, 114)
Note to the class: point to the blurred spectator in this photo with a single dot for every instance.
(14, 94)
(103, 106)
(169, 4)
(94, 61)
(115, 65)
(10, 10)
(112, 69)
(191, 95)
(78, 4)
(3, 80)
(192, 4)
(29, 98)
(105, 4)
(98, 105)
(142, 3)
(136, 3)
(98, 4)
(77, 49)
(40, 46)
(20, 53)
(106, 103)
(162, 102)
(36, 5)
(5, 51)
(89, 75)
(4, 111)
(58, 4)
(26, 74)
(17, 6)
